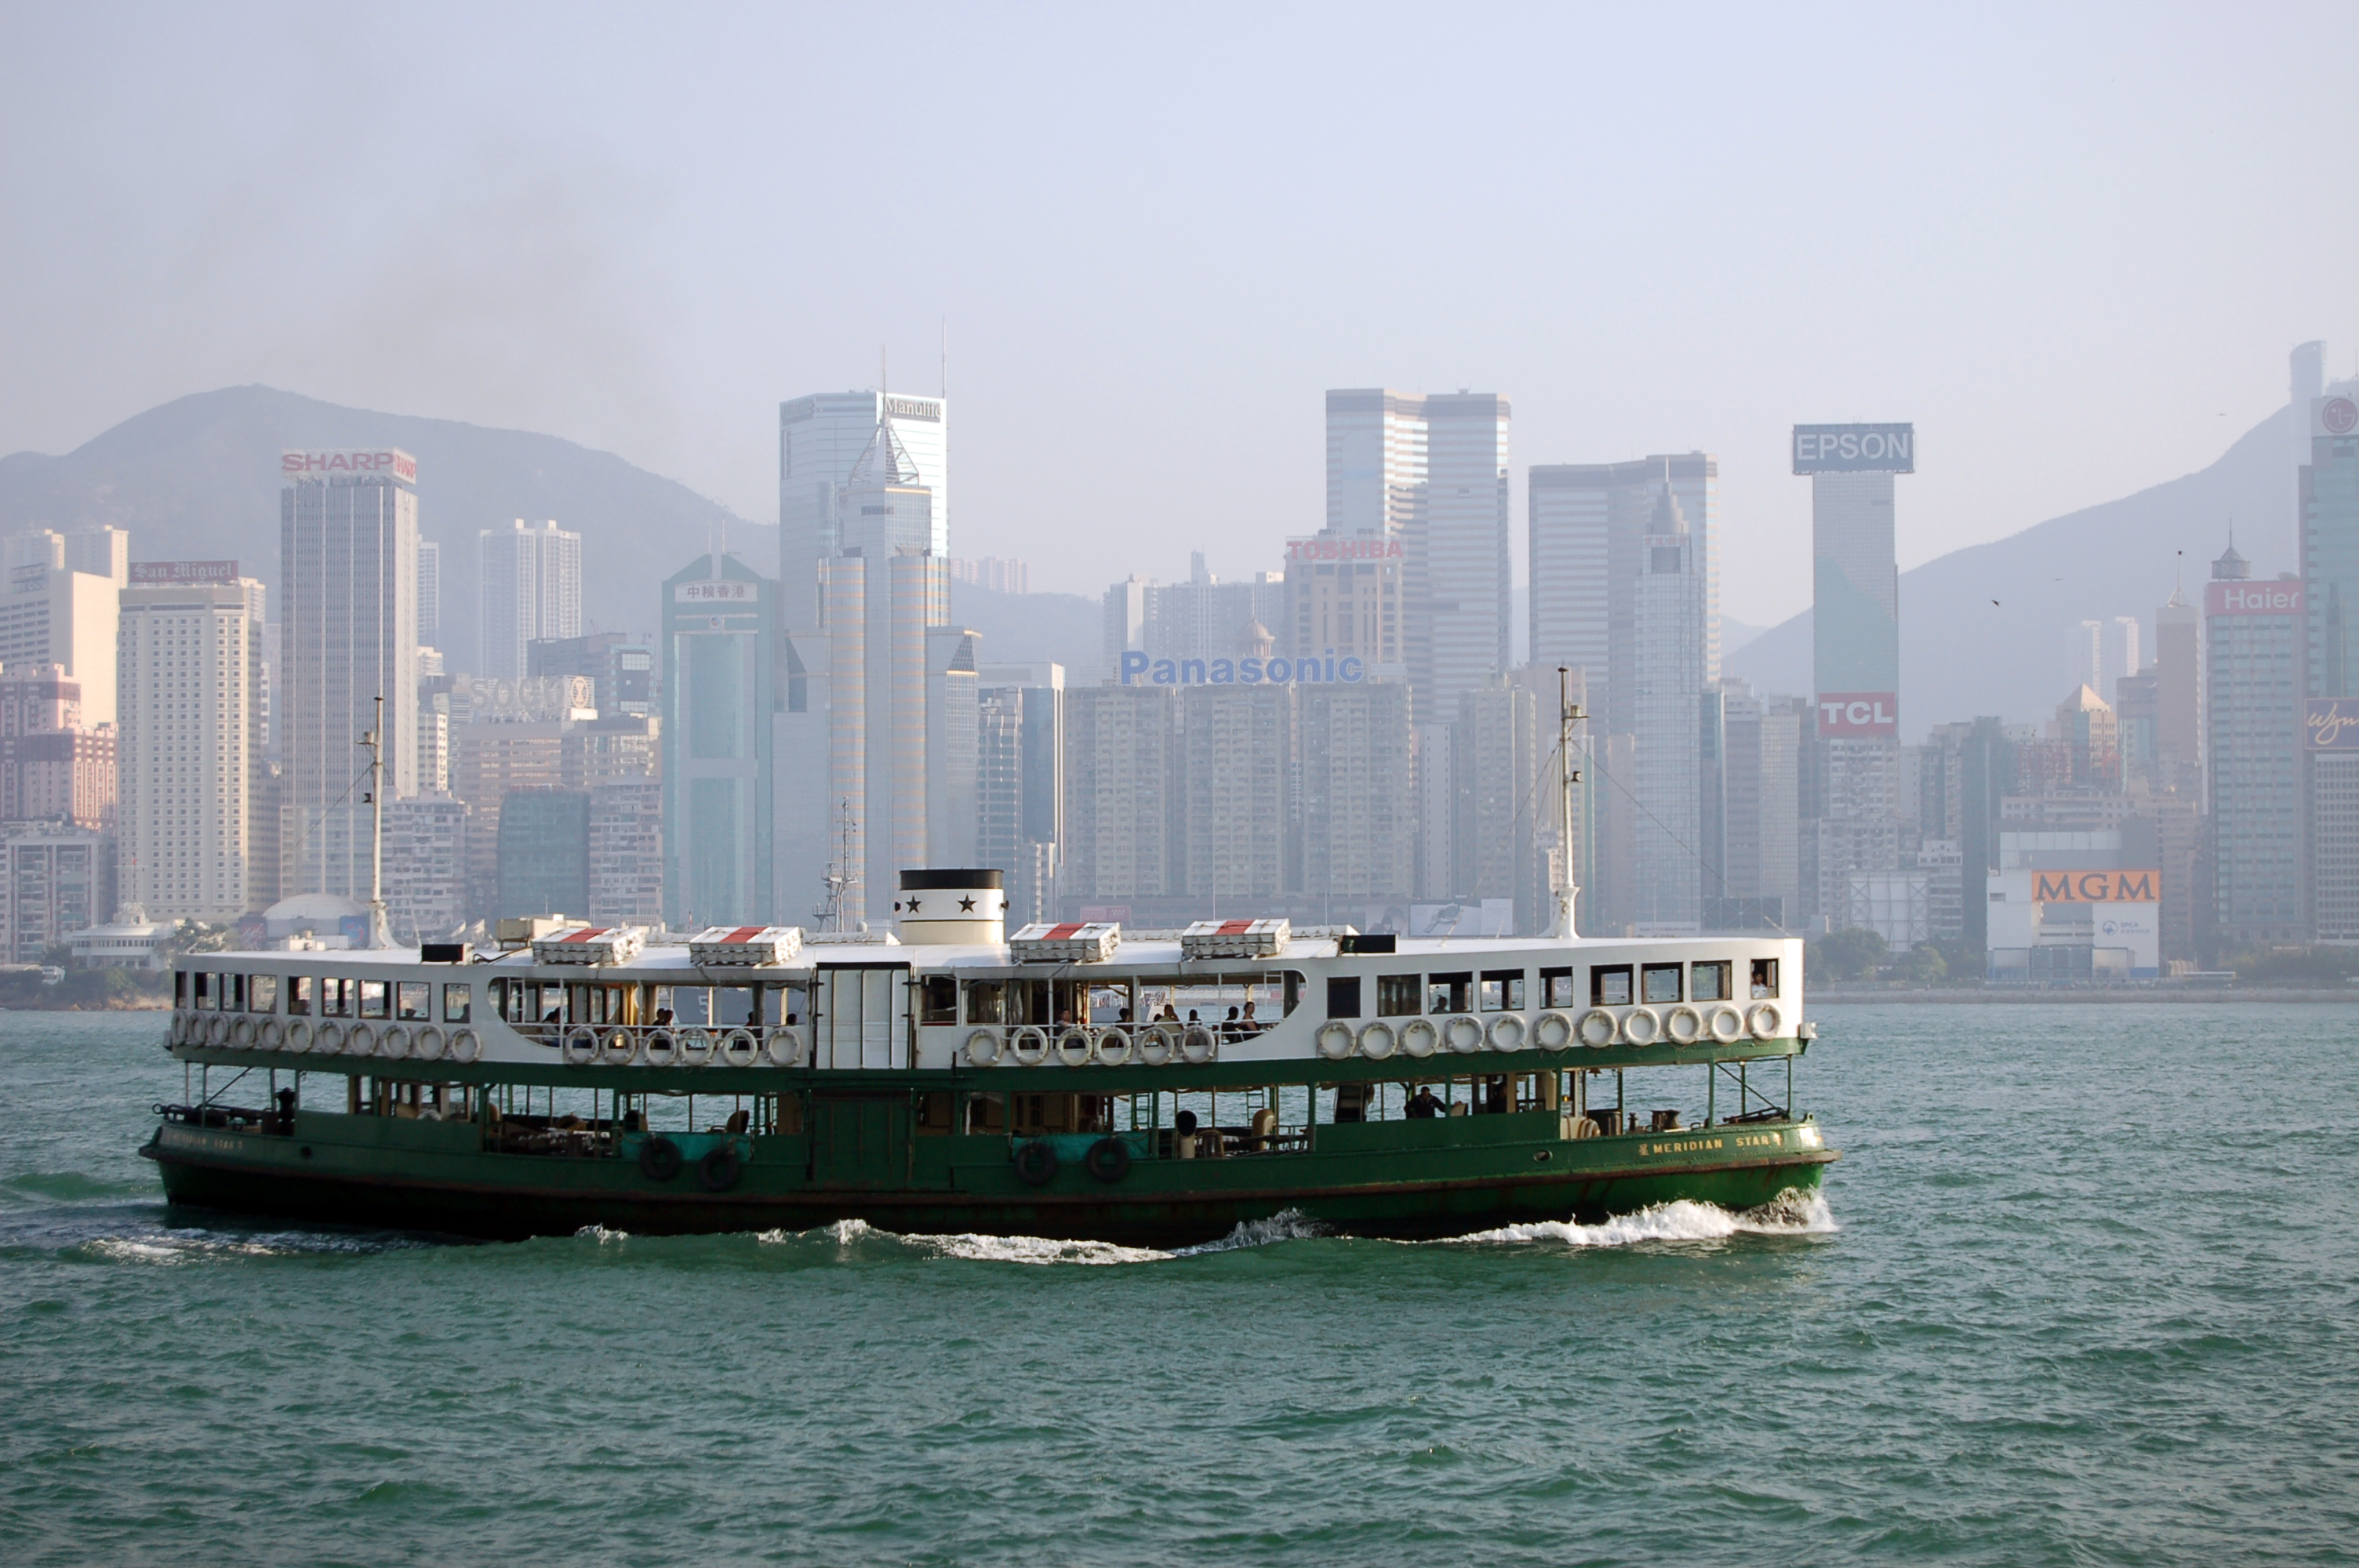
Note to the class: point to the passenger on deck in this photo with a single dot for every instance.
(1495, 1101)
(1249, 1025)
(1230, 1028)
(1424, 1104)
(1169, 1015)
(663, 1018)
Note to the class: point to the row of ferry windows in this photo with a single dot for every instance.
(328, 996)
(1503, 990)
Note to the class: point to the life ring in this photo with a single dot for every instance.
(329, 1039)
(1115, 1048)
(1334, 1040)
(1553, 1031)
(360, 1041)
(739, 1049)
(1156, 1045)
(695, 1047)
(1029, 1047)
(785, 1046)
(298, 1035)
(581, 1046)
(1598, 1028)
(430, 1045)
(269, 1035)
(465, 1046)
(1507, 1032)
(176, 1029)
(618, 1048)
(1727, 1025)
(394, 1044)
(1765, 1019)
(1683, 1024)
(1378, 1041)
(983, 1047)
(659, 1159)
(1462, 1033)
(1035, 1164)
(1419, 1038)
(1583, 1127)
(1074, 1048)
(1108, 1160)
(662, 1049)
(718, 1170)
(217, 1031)
(1642, 1026)
(1198, 1045)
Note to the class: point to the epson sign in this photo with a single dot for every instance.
(1855, 448)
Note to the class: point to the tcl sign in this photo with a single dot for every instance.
(388, 464)
(1858, 715)
(2280, 598)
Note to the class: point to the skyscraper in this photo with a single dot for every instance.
(2253, 635)
(348, 630)
(59, 609)
(2329, 558)
(820, 439)
(1019, 783)
(719, 634)
(1669, 677)
(528, 588)
(1375, 463)
(430, 593)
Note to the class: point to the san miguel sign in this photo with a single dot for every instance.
(2096, 887)
(1858, 715)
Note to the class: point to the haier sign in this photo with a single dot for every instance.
(2282, 597)
(1858, 715)
(1855, 448)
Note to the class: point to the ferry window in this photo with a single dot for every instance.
(336, 996)
(457, 1001)
(179, 987)
(1448, 993)
(412, 999)
(1556, 988)
(986, 1002)
(262, 993)
(1609, 985)
(372, 998)
(233, 993)
(1708, 982)
(1343, 996)
(1765, 977)
(937, 1003)
(1660, 982)
(1503, 990)
(298, 994)
(1397, 996)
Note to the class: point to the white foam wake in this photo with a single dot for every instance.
(1286, 1225)
(1791, 1212)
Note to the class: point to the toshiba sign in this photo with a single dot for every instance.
(1858, 715)
(2280, 598)
(385, 464)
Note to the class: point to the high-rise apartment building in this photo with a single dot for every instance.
(2255, 634)
(1357, 803)
(626, 852)
(348, 636)
(426, 867)
(190, 770)
(1019, 782)
(1344, 598)
(59, 609)
(1200, 619)
(720, 631)
(1499, 798)
(1124, 825)
(1236, 770)
(54, 880)
(528, 588)
(53, 768)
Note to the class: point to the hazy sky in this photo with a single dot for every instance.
(2072, 244)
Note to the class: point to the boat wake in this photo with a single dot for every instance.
(967, 1247)
(1791, 1212)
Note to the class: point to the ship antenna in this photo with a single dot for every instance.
(1568, 715)
(380, 934)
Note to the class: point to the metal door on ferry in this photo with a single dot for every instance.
(864, 1017)
(860, 1143)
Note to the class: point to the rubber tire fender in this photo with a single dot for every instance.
(1035, 1164)
(718, 1170)
(659, 1159)
(1108, 1160)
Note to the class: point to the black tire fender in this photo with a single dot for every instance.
(718, 1170)
(1035, 1164)
(1108, 1160)
(659, 1159)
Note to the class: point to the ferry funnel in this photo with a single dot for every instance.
(959, 907)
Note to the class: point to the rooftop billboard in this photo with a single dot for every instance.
(384, 463)
(2279, 597)
(1855, 448)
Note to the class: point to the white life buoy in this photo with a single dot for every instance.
(329, 1039)
(618, 1048)
(1380, 1040)
(217, 1029)
(1115, 1048)
(1419, 1038)
(1334, 1040)
(1598, 1028)
(662, 1049)
(1683, 1024)
(695, 1047)
(360, 1040)
(241, 1032)
(1074, 1048)
(177, 1032)
(739, 1048)
(581, 1046)
(430, 1045)
(299, 1034)
(1157, 1046)
(1029, 1047)
(394, 1044)
(1198, 1045)
(1766, 1018)
(1553, 1031)
(272, 1035)
(1507, 1032)
(1642, 1026)
(983, 1047)
(1463, 1034)
(465, 1046)
(1727, 1025)
(785, 1046)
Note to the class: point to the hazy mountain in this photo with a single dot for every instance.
(198, 479)
(1023, 628)
(1963, 654)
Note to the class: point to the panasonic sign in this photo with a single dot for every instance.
(1138, 669)
(1855, 448)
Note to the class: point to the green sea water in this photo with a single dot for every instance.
(2082, 1291)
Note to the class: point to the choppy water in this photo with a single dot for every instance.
(2081, 1293)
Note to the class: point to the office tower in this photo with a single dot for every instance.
(544, 853)
(954, 718)
(426, 867)
(430, 593)
(1586, 526)
(1375, 463)
(1344, 598)
(2091, 732)
(496, 753)
(1235, 769)
(190, 754)
(822, 439)
(1124, 825)
(1496, 800)
(1358, 805)
(720, 633)
(1668, 676)
(2329, 558)
(2254, 638)
(528, 586)
(2306, 370)
(1019, 783)
(54, 880)
(621, 671)
(348, 635)
(1757, 883)
(626, 852)
(2177, 670)
(57, 611)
